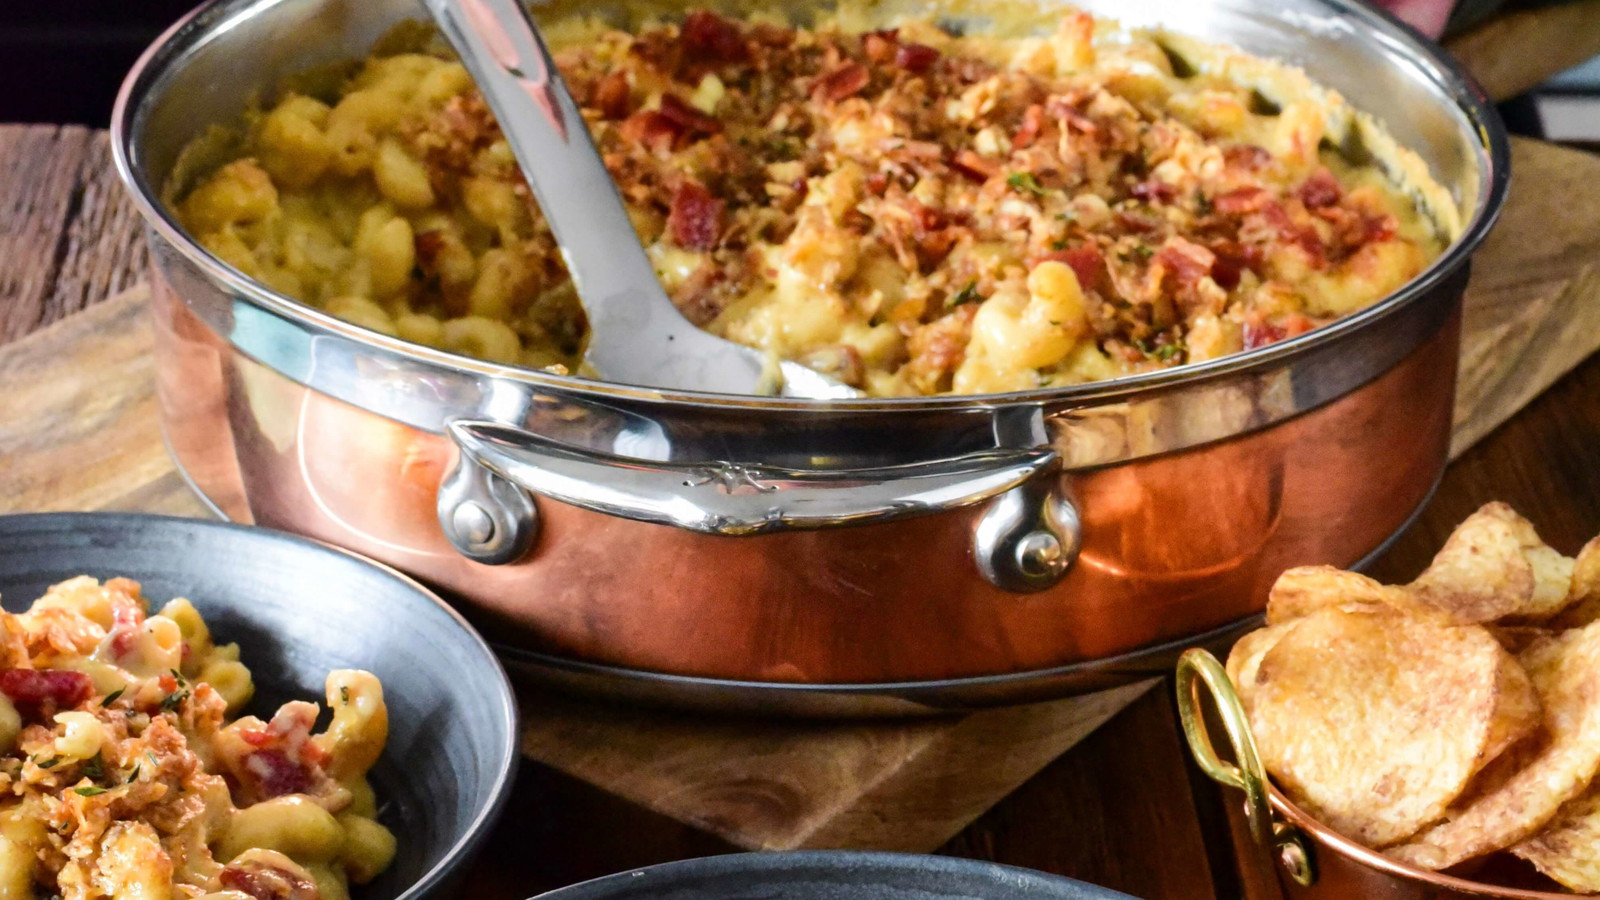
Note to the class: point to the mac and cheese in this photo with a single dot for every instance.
(911, 210)
(124, 774)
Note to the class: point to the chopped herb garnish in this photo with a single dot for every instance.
(152, 757)
(968, 294)
(50, 763)
(344, 695)
(1202, 203)
(112, 697)
(89, 791)
(1024, 181)
(1165, 352)
(1143, 251)
(1068, 216)
(1059, 245)
(178, 675)
(134, 775)
(174, 699)
(94, 767)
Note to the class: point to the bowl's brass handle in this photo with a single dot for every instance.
(1284, 841)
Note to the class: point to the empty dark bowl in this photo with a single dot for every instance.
(831, 875)
(298, 609)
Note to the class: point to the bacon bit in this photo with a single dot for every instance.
(915, 57)
(1297, 325)
(40, 693)
(1032, 124)
(1232, 259)
(840, 82)
(877, 184)
(927, 218)
(1240, 201)
(692, 120)
(1072, 116)
(612, 96)
(1189, 262)
(276, 774)
(1320, 190)
(651, 130)
(1262, 334)
(428, 245)
(1379, 228)
(1303, 235)
(695, 220)
(264, 882)
(1087, 262)
(1137, 221)
(975, 166)
(1246, 156)
(710, 36)
(880, 46)
(1154, 191)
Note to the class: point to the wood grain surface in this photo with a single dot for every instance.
(1122, 807)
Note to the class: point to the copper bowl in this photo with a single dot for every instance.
(1310, 860)
(860, 555)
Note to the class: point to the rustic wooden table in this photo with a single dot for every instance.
(1124, 808)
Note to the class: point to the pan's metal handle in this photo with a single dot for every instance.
(1281, 839)
(1025, 541)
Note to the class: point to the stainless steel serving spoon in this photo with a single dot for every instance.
(636, 335)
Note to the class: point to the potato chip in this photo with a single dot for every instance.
(1517, 712)
(1481, 574)
(1583, 596)
(1376, 721)
(1245, 659)
(1305, 589)
(1565, 670)
(1568, 850)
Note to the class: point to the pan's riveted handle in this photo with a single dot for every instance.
(1197, 667)
(1025, 541)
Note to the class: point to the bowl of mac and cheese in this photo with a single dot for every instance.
(210, 713)
(1146, 300)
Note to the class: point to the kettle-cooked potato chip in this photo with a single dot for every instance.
(1480, 574)
(1305, 589)
(1495, 566)
(1376, 721)
(1245, 659)
(1568, 850)
(1583, 596)
(1565, 670)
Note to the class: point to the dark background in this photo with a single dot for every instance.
(62, 60)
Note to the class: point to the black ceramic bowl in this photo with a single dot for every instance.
(831, 875)
(298, 609)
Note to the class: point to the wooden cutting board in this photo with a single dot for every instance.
(78, 431)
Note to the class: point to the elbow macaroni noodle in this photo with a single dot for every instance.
(123, 775)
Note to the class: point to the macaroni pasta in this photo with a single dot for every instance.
(910, 210)
(123, 773)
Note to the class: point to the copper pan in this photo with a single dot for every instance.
(1310, 860)
(957, 550)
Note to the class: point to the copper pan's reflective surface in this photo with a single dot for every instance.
(1308, 859)
(890, 602)
(759, 542)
